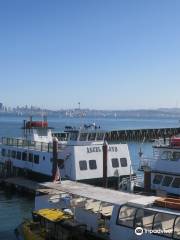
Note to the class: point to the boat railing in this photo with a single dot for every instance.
(139, 181)
(30, 145)
(161, 142)
(128, 183)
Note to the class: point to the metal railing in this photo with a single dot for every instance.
(30, 145)
(161, 142)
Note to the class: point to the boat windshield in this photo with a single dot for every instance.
(92, 136)
(73, 136)
(41, 131)
(100, 136)
(166, 224)
(83, 136)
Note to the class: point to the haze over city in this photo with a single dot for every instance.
(104, 54)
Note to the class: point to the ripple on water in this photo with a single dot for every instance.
(13, 209)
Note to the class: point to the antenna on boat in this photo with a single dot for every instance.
(42, 117)
(140, 153)
(24, 128)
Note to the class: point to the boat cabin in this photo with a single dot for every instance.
(83, 134)
(37, 131)
(82, 154)
(164, 166)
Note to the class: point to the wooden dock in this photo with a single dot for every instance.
(26, 185)
(75, 189)
(98, 193)
(141, 134)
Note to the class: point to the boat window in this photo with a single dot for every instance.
(9, 153)
(164, 223)
(18, 156)
(176, 156)
(73, 136)
(100, 136)
(83, 137)
(83, 165)
(92, 136)
(126, 216)
(144, 218)
(123, 162)
(3, 152)
(24, 156)
(62, 136)
(115, 162)
(176, 183)
(92, 164)
(36, 159)
(167, 181)
(41, 132)
(13, 154)
(166, 155)
(157, 179)
(177, 229)
(30, 157)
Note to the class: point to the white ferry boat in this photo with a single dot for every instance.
(80, 211)
(76, 154)
(164, 167)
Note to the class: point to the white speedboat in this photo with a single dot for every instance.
(78, 154)
(164, 166)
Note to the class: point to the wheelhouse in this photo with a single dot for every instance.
(152, 222)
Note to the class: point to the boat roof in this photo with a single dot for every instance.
(99, 193)
(54, 215)
(86, 128)
(164, 210)
(83, 130)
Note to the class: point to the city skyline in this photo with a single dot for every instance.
(5, 108)
(112, 55)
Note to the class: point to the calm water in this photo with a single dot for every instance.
(13, 207)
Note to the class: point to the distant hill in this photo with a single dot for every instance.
(139, 113)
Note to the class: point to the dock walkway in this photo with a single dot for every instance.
(27, 185)
(22, 182)
(78, 189)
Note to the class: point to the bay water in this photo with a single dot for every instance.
(14, 207)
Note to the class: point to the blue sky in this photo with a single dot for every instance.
(106, 54)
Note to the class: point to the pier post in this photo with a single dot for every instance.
(55, 168)
(105, 153)
(147, 180)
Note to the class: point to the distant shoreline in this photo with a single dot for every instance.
(134, 114)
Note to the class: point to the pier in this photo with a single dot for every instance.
(25, 185)
(141, 134)
(70, 187)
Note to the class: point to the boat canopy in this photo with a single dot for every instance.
(53, 215)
